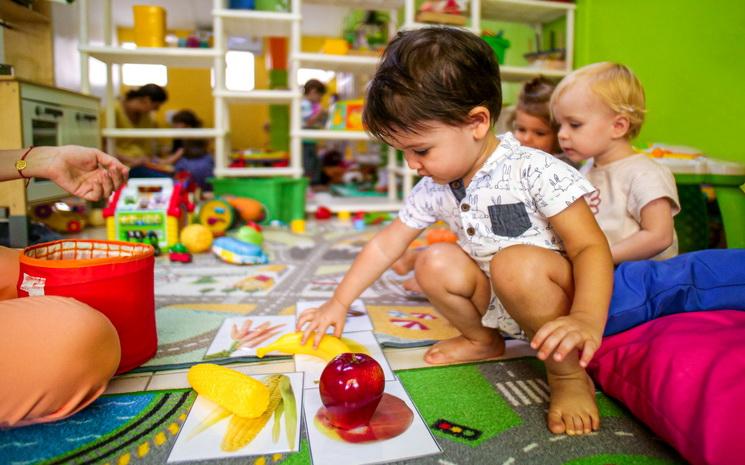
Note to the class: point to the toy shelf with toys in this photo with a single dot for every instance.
(150, 210)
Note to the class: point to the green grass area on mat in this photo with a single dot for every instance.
(451, 393)
(608, 407)
(618, 459)
(302, 457)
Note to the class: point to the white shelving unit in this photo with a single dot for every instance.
(227, 22)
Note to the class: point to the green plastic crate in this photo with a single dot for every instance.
(283, 197)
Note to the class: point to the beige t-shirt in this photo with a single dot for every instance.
(624, 187)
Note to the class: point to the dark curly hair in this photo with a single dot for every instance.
(431, 74)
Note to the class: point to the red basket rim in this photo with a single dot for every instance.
(81, 262)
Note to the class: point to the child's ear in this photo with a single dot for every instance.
(621, 125)
(480, 121)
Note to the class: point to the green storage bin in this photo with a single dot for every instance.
(283, 197)
(499, 44)
(272, 5)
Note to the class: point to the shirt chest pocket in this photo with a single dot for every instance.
(509, 220)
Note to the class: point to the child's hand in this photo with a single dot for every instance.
(331, 313)
(565, 334)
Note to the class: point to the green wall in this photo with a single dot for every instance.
(690, 57)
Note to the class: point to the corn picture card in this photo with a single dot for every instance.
(214, 432)
(393, 432)
(241, 336)
(359, 342)
(357, 316)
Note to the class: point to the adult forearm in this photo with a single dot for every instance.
(36, 162)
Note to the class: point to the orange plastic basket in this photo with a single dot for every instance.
(116, 278)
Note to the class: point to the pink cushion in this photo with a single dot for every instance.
(684, 376)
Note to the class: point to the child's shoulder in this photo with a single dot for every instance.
(510, 150)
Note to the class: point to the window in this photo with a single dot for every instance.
(305, 74)
(139, 75)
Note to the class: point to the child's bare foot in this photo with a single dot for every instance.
(460, 349)
(406, 263)
(412, 285)
(573, 409)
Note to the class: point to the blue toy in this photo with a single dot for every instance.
(238, 252)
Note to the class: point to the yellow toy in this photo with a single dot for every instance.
(329, 347)
(297, 226)
(196, 238)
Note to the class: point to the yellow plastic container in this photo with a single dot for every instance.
(150, 25)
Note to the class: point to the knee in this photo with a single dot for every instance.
(435, 260)
(516, 269)
(92, 341)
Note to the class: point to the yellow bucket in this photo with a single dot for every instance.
(150, 25)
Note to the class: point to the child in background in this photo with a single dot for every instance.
(532, 124)
(314, 117)
(524, 229)
(193, 156)
(599, 109)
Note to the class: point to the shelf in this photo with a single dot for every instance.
(524, 11)
(362, 4)
(418, 25)
(352, 204)
(172, 57)
(204, 133)
(249, 172)
(258, 96)
(14, 13)
(324, 134)
(351, 63)
(256, 23)
(524, 73)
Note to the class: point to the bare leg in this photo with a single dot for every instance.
(459, 290)
(537, 289)
(406, 263)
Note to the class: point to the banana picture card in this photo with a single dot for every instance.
(357, 316)
(359, 342)
(242, 336)
(213, 432)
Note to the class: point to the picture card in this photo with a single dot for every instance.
(357, 316)
(203, 436)
(413, 440)
(241, 336)
(362, 341)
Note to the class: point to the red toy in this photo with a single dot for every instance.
(323, 213)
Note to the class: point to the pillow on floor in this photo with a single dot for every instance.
(684, 376)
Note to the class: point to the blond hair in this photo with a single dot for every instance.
(617, 87)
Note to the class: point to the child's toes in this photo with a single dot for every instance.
(556, 423)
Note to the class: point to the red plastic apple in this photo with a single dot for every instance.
(351, 387)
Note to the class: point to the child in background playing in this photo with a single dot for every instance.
(532, 124)
(599, 109)
(193, 156)
(524, 229)
(314, 117)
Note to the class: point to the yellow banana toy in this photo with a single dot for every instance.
(330, 346)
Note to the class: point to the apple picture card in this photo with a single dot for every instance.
(359, 446)
(241, 336)
(357, 317)
(208, 435)
(362, 341)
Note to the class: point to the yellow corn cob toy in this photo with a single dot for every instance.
(242, 430)
(234, 391)
(329, 347)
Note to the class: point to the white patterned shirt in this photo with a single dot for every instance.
(508, 201)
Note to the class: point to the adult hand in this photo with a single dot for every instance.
(82, 171)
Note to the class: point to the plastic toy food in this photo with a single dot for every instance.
(232, 390)
(178, 253)
(351, 387)
(250, 235)
(329, 347)
(197, 238)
